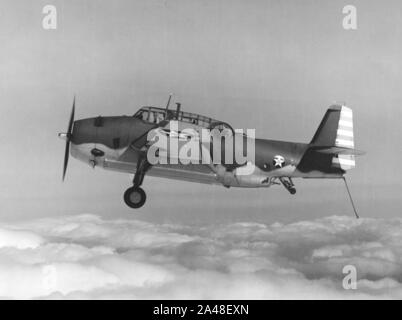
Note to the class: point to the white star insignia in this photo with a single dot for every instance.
(279, 160)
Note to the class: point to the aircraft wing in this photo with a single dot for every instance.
(191, 172)
(127, 162)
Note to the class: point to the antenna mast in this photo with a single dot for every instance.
(168, 103)
(350, 197)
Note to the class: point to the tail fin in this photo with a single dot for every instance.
(335, 136)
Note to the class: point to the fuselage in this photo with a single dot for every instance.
(115, 143)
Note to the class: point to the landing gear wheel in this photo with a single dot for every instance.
(135, 197)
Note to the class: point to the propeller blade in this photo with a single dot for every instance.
(66, 155)
(70, 124)
(68, 139)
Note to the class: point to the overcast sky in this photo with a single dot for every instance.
(270, 65)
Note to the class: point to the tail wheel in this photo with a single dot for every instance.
(135, 197)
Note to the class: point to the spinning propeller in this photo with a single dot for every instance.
(67, 136)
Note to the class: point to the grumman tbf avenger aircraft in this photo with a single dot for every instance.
(122, 143)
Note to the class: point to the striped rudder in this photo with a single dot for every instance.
(344, 134)
(344, 161)
(344, 138)
(335, 136)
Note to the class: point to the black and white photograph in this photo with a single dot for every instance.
(203, 150)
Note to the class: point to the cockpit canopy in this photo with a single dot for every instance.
(156, 115)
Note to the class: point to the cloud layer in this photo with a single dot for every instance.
(87, 257)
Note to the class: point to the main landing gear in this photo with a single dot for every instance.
(288, 184)
(135, 196)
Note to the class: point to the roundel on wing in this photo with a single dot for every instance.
(278, 161)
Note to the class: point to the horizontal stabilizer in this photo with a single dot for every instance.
(338, 150)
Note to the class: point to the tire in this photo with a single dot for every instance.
(135, 197)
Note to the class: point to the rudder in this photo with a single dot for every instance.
(336, 130)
